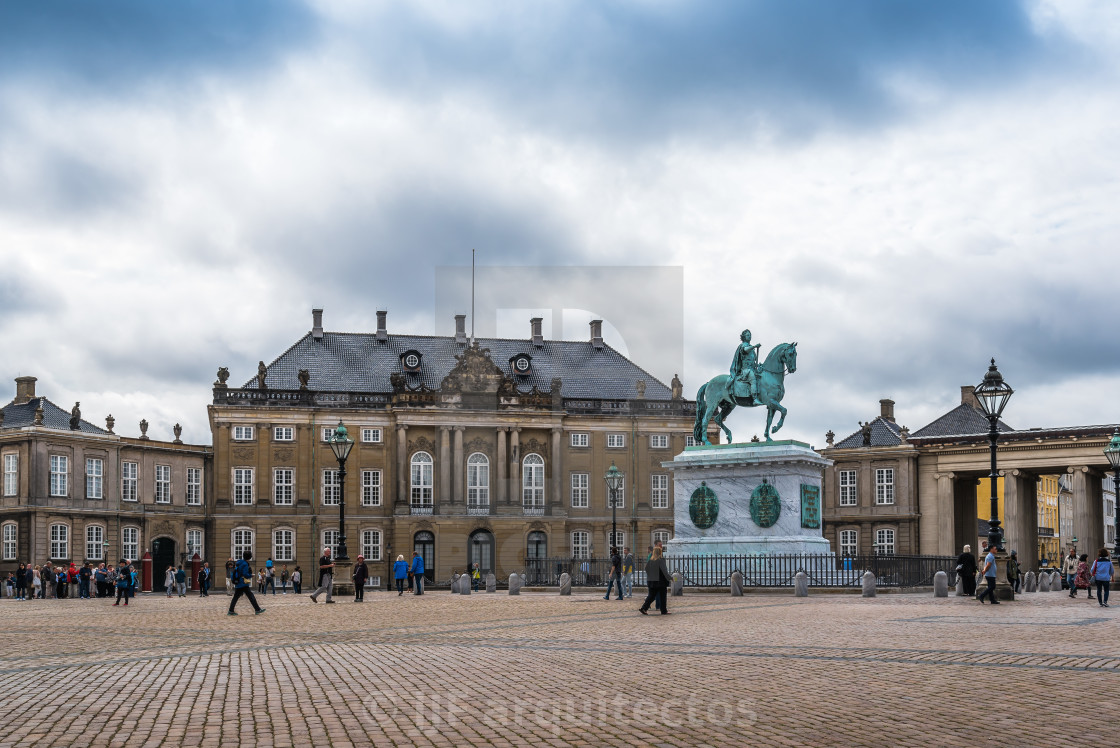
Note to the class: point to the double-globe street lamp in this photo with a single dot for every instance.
(341, 444)
(1112, 452)
(614, 480)
(993, 394)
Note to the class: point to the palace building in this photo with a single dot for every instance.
(488, 451)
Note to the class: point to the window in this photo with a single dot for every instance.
(478, 480)
(242, 433)
(616, 540)
(130, 543)
(848, 543)
(283, 481)
(884, 542)
(532, 481)
(616, 440)
(371, 545)
(129, 473)
(536, 545)
(690, 441)
(581, 544)
(332, 488)
(662, 535)
(659, 491)
(242, 487)
(658, 441)
(847, 488)
(328, 433)
(330, 540)
(241, 541)
(95, 543)
(884, 486)
(283, 545)
(283, 434)
(60, 542)
(163, 484)
(194, 486)
(60, 466)
(579, 440)
(421, 479)
(9, 542)
(371, 488)
(579, 490)
(371, 436)
(95, 472)
(11, 474)
(619, 495)
(194, 544)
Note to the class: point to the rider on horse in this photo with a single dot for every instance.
(745, 368)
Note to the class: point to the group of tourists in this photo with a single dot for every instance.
(266, 578)
(1080, 574)
(30, 582)
(1077, 571)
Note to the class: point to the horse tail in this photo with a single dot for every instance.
(698, 426)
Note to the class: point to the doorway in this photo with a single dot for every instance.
(480, 546)
(163, 555)
(424, 543)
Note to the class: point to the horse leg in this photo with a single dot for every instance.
(707, 417)
(781, 420)
(769, 420)
(724, 411)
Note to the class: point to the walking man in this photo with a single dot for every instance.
(1069, 571)
(615, 577)
(418, 571)
(989, 578)
(204, 580)
(242, 584)
(181, 581)
(269, 577)
(326, 577)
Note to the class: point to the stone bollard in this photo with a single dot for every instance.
(868, 584)
(960, 586)
(801, 584)
(465, 584)
(565, 584)
(491, 582)
(1055, 581)
(455, 584)
(514, 584)
(940, 584)
(1043, 582)
(736, 584)
(677, 584)
(1030, 582)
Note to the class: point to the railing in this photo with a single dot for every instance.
(478, 510)
(420, 511)
(533, 511)
(823, 570)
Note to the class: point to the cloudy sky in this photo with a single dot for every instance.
(906, 189)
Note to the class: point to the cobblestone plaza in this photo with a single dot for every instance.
(442, 669)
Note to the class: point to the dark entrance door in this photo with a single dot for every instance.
(481, 550)
(424, 543)
(536, 549)
(163, 555)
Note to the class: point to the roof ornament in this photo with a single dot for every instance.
(76, 417)
(110, 422)
(144, 429)
(178, 434)
(865, 431)
(262, 372)
(304, 378)
(223, 375)
(830, 438)
(39, 413)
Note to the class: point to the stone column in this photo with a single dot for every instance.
(515, 465)
(557, 470)
(1020, 507)
(1088, 510)
(945, 506)
(402, 465)
(444, 465)
(500, 466)
(459, 468)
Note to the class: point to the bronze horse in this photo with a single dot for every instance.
(716, 397)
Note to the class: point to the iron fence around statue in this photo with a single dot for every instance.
(823, 570)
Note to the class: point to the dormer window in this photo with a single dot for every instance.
(521, 364)
(410, 361)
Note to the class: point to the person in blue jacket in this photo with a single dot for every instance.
(418, 571)
(124, 579)
(400, 573)
(242, 584)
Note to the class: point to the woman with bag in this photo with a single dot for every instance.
(966, 571)
(1081, 579)
(1102, 575)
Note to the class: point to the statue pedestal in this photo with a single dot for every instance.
(1004, 590)
(759, 498)
(343, 581)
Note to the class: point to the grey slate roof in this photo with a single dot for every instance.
(359, 362)
(884, 433)
(963, 420)
(23, 414)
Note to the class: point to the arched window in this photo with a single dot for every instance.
(11, 532)
(478, 481)
(532, 482)
(241, 540)
(284, 544)
(60, 542)
(884, 542)
(421, 479)
(424, 543)
(95, 543)
(130, 543)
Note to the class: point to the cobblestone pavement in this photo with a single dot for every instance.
(442, 669)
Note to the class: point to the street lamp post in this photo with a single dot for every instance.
(993, 394)
(614, 482)
(341, 444)
(1112, 452)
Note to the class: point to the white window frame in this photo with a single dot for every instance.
(11, 474)
(130, 480)
(60, 474)
(194, 486)
(659, 491)
(882, 541)
(329, 539)
(616, 539)
(130, 540)
(328, 433)
(532, 480)
(163, 484)
(690, 441)
(421, 480)
(371, 488)
(60, 541)
(9, 541)
(581, 544)
(371, 544)
(284, 544)
(283, 434)
(663, 535)
(332, 487)
(95, 546)
(884, 486)
(243, 480)
(580, 483)
(616, 441)
(243, 433)
(619, 495)
(283, 486)
(849, 542)
(478, 480)
(579, 439)
(192, 547)
(95, 478)
(371, 435)
(658, 441)
(242, 539)
(847, 482)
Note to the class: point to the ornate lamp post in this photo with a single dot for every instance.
(614, 482)
(341, 444)
(993, 394)
(1112, 452)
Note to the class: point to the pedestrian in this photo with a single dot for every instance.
(229, 575)
(123, 580)
(326, 577)
(61, 586)
(657, 581)
(10, 586)
(1102, 575)
(989, 571)
(260, 581)
(297, 581)
(169, 580)
(21, 581)
(181, 581)
(361, 574)
(1081, 579)
(627, 572)
(243, 584)
(966, 571)
(284, 576)
(99, 580)
(1013, 571)
(410, 578)
(269, 577)
(204, 580)
(418, 571)
(1069, 571)
(400, 573)
(475, 576)
(615, 577)
(84, 575)
(46, 581)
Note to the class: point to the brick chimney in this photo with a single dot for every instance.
(535, 327)
(317, 324)
(461, 329)
(382, 333)
(886, 409)
(25, 389)
(968, 396)
(597, 333)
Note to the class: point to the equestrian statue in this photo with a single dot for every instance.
(749, 385)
